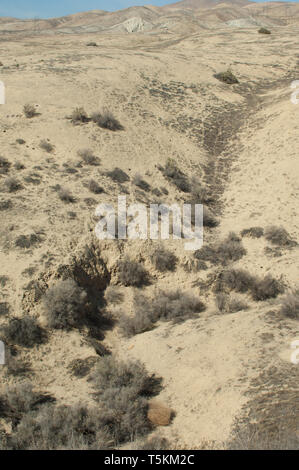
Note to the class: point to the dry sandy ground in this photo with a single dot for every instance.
(242, 140)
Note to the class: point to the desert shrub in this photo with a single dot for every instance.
(94, 187)
(176, 176)
(20, 141)
(163, 259)
(12, 184)
(209, 219)
(4, 308)
(122, 390)
(118, 175)
(200, 194)
(65, 195)
(79, 115)
(88, 157)
(65, 305)
(227, 77)
(139, 181)
(234, 279)
(61, 428)
(82, 367)
(92, 44)
(290, 305)
(113, 295)
(165, 305)
(46, 145)
(24, 331)
(107, 120)
(4, 165)
(264, 31)
(279, 236)
(266, 288)
(5, 205)
(132, 273)
(229, 304)
(253, 232)
(27, 241)
(228, 250)
(29, 110)
(20, 399)
(19, 166)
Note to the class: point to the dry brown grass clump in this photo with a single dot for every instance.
(65, 195)
(29, 110)
(159, 414)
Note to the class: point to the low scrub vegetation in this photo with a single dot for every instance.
(230, 304)
(29, 110)
(172, 172)
(240, 280)
(174, 305)
(46, 145)
(290, 305)
(227, 77)
(24, 331)
(65, 195)
(163, 259)
(228, 250)
(253, 232)
(4, 165)
(132, 273)
(79, 116)
(264, 31)
(88, 157)
(107, 120)
(279, 236)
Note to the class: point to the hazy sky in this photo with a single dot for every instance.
(45, 9)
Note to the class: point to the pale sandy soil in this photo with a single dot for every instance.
(164, 93)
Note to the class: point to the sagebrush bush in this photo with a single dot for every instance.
(229, 304)
(79, 115)
(122, 390)
(4, 166)
(267, 288)
(12, 184)
(290, 305)
(279, 236)
(163, 259)
(107, 120)
(242, 281)
(65, 195)
(209, 219)
(113, 295)
(227, 77)
(118, 175)
(132, 273)
(253, 232)
(29, 110)
(226, 251)
(61, 428)
(140, 182)
(154, 443)
(172, 305)
(65, 305)
(24, 331)
(264, 31)
(88, 157)
(46, 145)
(94, 187)
(172, 172)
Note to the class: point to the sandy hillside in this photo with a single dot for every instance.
(240, 143)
